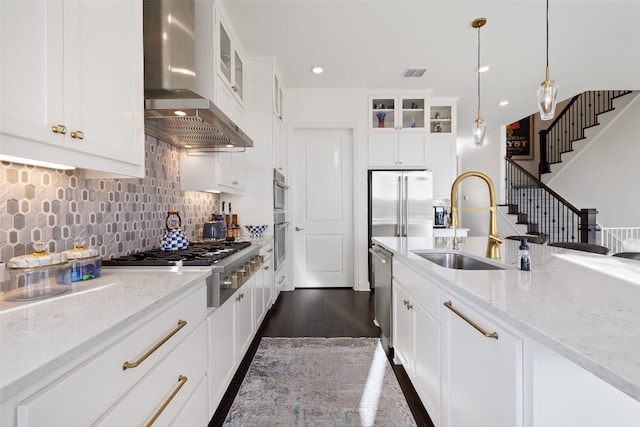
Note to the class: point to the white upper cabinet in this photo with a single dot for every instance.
(398, 112)
(441, 149)
(230, 70)
(72, 83)
(397, 131)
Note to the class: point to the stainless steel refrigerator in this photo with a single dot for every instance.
(400, 205)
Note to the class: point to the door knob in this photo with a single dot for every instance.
(299, 229)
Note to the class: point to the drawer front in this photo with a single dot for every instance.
(162, 393)
(267, 250)
(419, 287)
(68, 401)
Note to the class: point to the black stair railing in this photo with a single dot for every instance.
(579, 114)
(544, 211)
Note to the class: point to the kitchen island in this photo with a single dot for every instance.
(72, 334)
(581, 306)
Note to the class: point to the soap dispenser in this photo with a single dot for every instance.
(524, 260)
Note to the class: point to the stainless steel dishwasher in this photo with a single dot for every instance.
(381, 277)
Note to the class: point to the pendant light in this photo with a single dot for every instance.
(548, 90)
(479, 125)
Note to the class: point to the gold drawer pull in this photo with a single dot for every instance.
(182, 380)
(449, 305)
(125, 365)
(77, 134)
(59, 129)
(239, 297)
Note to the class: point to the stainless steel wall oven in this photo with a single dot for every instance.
(279, 218)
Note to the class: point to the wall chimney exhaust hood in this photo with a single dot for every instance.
(174, 112)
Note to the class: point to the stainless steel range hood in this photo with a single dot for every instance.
(174, 112)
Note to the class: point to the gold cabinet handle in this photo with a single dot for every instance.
(61, 129)
(234, 88)
(239, 297)
(449, 305)
(181, 380)
(266, 267)
(77, 134)
(126, 365)
(409, 306)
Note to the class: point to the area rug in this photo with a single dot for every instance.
(320, 382)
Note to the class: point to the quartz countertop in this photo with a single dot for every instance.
(584, 306)
(40, 336)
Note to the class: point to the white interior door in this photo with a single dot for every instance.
(322, 208)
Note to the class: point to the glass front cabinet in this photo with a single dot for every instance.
(398, 112)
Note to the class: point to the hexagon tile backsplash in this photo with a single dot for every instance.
(115, 216)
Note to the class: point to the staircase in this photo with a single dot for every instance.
(541, 211)
(583, 117)
(537, 209)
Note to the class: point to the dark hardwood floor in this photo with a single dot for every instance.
(320, 313)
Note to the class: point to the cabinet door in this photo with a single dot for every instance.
(402, 327)
(232, 171)
(267, 271)
(244, 301)
(484, 374)
(198, 171)
(230, 63)
(222, 352)
(441, 160)
(411, 149)
(32, 47)
(382, 150)
(427, 366)
(226, 101)
(279, 147)
(103, 81)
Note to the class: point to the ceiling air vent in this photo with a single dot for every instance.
(414, 72)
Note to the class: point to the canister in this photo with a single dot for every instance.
(38, 275)
(85, 262)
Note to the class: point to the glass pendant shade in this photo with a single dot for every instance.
(478, 129)
(547, 99)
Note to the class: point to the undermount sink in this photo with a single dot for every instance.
(459, 261)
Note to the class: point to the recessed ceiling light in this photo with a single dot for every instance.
(484, 68)
(503, 103)
(179, 113)
(317, 70)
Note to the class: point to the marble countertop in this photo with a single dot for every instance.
(40, 336)
(584, 306)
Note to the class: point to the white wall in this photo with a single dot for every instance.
(338, 108)
(473, 192)
(605, 174)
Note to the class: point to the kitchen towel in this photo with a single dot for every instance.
(320, 381)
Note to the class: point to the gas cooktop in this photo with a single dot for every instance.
(197, 254)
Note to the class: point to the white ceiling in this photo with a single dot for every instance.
(594, 45)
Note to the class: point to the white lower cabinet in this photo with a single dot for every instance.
(416, 335)
(264, 284)
(100, 388)
(245, 328)
(484, 382)
(170, 387)
(222, 352)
